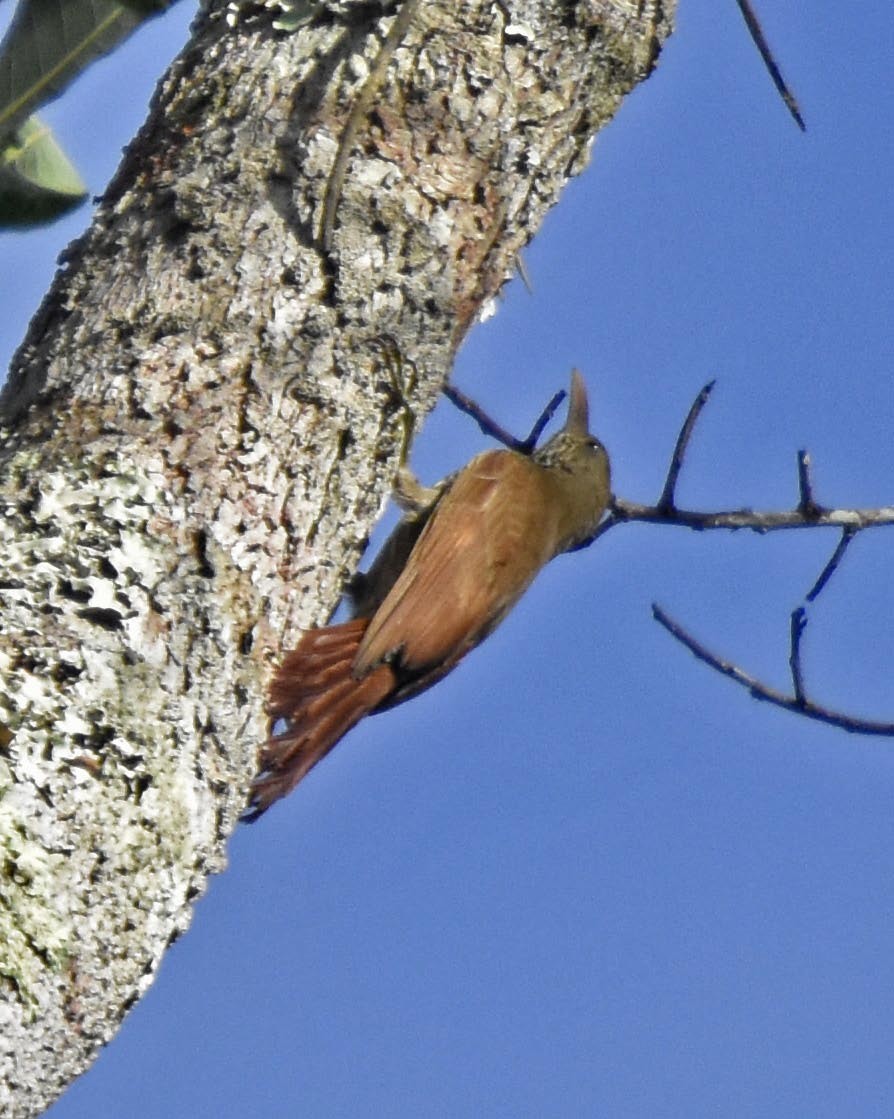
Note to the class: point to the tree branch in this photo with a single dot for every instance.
(667, 501)
(849, 520)
(808, 513)
(797, 627)
(361, 106)
(801, 706)
(829, 570)
(757, 34)
(490, 427)
(806, 502)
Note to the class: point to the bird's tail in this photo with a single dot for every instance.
(319, 698)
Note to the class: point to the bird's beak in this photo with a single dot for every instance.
(578, 422)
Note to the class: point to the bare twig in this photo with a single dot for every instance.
(798, 625)
(493, 429)
(666, 501)
(756, 520)
(757, 34)
(359, 109)
(759, 690)
(799, 614)
(806, 503)
(808, 513)
(847, 535)
(490, 427)
(403, 376)
(527, 445)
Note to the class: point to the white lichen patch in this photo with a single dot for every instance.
(373, 173)
(519, 31)
(101, 793)
(358, 67)
(35, 932)
(71, 724)
(319, 154)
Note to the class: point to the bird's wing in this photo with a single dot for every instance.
(489, 536)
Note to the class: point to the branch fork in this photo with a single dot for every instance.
(807, 513)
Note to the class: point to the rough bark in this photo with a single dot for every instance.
(199, 430)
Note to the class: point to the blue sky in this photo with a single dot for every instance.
(585, 876)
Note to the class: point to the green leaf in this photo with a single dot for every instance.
(37, 181)
(50, 42)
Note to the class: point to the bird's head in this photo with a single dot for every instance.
(579, 469)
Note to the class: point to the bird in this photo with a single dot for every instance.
(445, 579)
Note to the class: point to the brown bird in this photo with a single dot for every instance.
(445, 579)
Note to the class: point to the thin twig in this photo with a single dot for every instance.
(493, 429)
(806, 502)
(527, 445)
(763, 691)
(753, 519)
(490, 427)
(807, 514)
(523, 273)
(359, 109)
(847, 535)
(799, 615)
(668, 494)
(798, 625)
(757, 35)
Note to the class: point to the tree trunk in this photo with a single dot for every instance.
(201, 427)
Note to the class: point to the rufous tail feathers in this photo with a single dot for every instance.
(319, 698)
